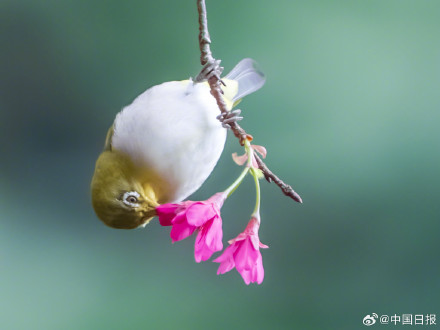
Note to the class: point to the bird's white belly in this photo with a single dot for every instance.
(172, 129)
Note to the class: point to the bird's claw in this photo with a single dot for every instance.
(211, 69)
(230, 117)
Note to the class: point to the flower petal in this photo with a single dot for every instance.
(208, 240)
(263, 246)
(198, 213)
(181, 231)
(226, 260)
(240, 237)
(259, 271)
(260, 149)
(217, 200)
(179, 218)
(255, 242)
(214, 235)
(246, 256)
(240, 160)
(246, 274)
(226, 266)
(254, 162)
(166, 213)
(201, 251)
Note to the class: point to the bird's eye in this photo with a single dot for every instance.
(131, 198)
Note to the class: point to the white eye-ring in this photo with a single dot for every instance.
(131, 198)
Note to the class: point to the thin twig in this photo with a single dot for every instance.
(214, 82)
(204, 38)
(271, 177)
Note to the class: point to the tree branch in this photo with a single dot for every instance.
(214, 83)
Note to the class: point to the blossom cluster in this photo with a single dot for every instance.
(203, 217)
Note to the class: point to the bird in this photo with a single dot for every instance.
(164, 145)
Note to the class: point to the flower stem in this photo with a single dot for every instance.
(256, 213)
(239, 180)
(236, 183)
(254, 173)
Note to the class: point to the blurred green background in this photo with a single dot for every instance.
(350, 117)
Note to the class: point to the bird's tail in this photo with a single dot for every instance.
(244, 79)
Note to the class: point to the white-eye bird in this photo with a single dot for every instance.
(163, 146)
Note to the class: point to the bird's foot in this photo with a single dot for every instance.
(229, 117)
(211, 69)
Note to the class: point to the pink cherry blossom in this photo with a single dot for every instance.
(240, 160)
(243, 253)
(188, 216)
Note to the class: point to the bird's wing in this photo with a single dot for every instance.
(108, 138)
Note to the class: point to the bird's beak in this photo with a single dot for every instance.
(147, 216)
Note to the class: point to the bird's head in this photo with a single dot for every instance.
(122, 196)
